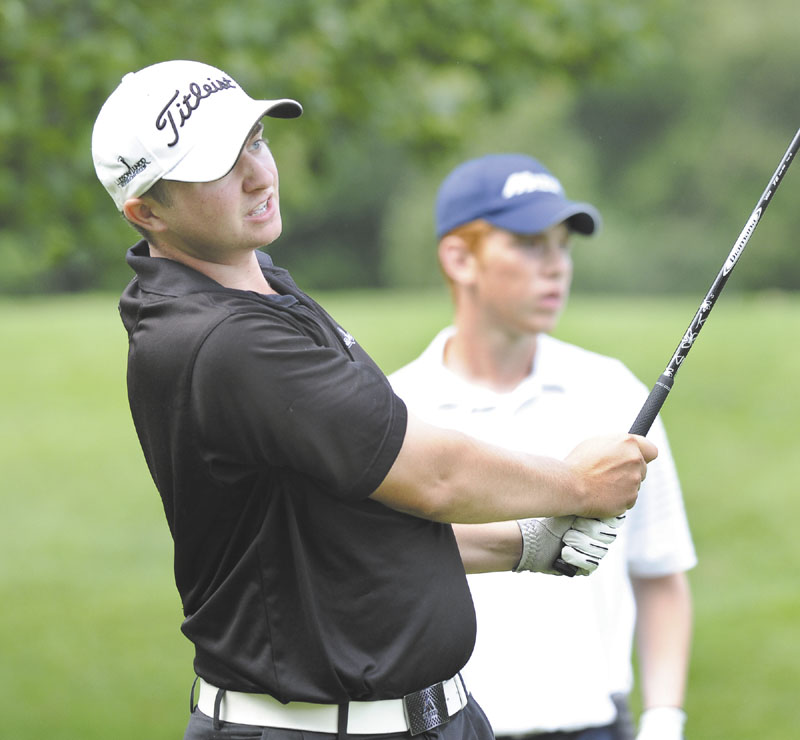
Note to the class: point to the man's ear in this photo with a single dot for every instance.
(143, 212)
(457, 260)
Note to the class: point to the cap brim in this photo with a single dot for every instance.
(534, 216)
(584, 219)
(283, 108)
(214, 156)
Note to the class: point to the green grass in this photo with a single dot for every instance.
(89, 630)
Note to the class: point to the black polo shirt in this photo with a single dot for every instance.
(266, 427)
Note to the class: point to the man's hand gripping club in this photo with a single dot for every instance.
(583, 541)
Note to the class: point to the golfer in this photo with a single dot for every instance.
(505, 233)
(314, 555)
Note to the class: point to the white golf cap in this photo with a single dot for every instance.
(177, 120)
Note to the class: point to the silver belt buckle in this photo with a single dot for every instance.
(426, 709)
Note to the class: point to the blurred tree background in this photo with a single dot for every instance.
(669, 115)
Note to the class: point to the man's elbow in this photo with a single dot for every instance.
(436, 500)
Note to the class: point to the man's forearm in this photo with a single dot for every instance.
(663, 635)
(486, 548)
(449, 477)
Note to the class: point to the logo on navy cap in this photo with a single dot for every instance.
(522, 183)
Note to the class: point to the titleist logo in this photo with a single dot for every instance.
(174, 117)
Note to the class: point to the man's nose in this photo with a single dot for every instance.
(556, 257)
(257, 173)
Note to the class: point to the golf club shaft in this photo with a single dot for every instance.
(661, 389)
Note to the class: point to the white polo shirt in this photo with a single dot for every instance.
(551, 650)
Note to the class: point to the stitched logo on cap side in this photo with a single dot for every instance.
(131, 171)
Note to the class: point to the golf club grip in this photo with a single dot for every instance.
(652, 405)
(563, 567)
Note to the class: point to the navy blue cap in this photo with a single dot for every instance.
(512, 191)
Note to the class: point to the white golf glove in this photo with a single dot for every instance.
(578, 541)
(586, 542)
(661, 723)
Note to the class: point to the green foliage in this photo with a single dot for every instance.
(689, 144)
(675, 152)
(89, 630)
(383, 84)
(668, 115)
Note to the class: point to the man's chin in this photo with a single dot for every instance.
(270, 235)
(544, 323)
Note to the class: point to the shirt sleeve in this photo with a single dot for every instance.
(658, 536)
(660, 541)
(266, 394)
